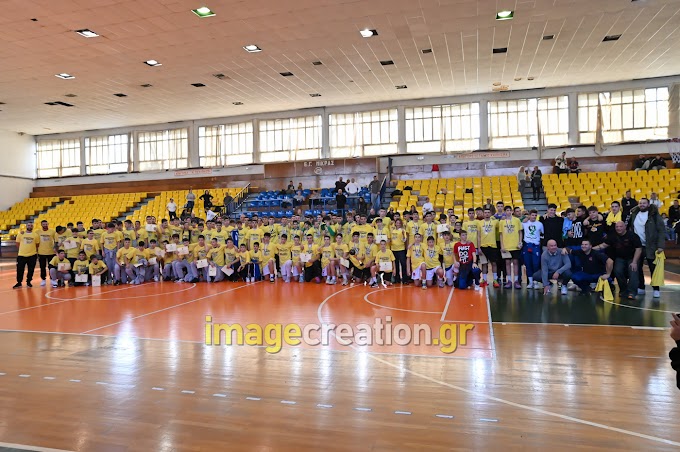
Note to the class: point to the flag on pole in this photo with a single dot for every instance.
(599, 136)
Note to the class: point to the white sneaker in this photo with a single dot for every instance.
(329, 281)
(477, 287)
(54, 284)
(564, 290)
(641, 291)
(657, 294)
(43, 283)
(155, 278)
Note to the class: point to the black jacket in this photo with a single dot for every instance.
(674, 355)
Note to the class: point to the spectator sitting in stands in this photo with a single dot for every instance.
(291, 187)
(298, 199)
(314, 197)
(655, 201)
(642, 163)
(657, 163)
(573, 166)
(362, 209)
(560, 166)
(300, 186)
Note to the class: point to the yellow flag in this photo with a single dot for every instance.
(603, 286)
(657, 276)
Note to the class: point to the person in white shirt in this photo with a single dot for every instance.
(352, 190)
(655, 201)
(531, 249)
(172, 209)
(428, 207)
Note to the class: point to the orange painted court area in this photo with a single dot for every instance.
(176, 312)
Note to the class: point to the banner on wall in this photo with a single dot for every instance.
(481, 155)
(194, 172)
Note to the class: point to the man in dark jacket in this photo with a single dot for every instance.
(627, 204)
(674, 354)
(646, 222)
(552, 227)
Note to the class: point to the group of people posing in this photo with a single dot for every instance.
(490, 247)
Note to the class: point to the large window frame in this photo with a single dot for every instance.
(58, 158)
(443, 128)
(107, 154)
(290, 139)
(368, 133)
(226, 144)
(163, 150)
(514, 123)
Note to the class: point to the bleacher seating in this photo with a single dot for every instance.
(271, 201)
(85, 208)
(600, 188)
(23, 210)
(157, 206)
(447, 193)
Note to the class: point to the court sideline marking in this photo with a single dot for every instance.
(31, 448)
(170, 307)
(402, 368)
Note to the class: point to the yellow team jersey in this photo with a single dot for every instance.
(200, 252)
(222, 237)
(230, 255)
(254, 235)
(385, 221)
(244, 257)
(310, 249)
(109, 241)
(412, 228)
(384, 256)
(189, 257)
(129, 234)
(397, 239)
(60, 239)
(487, 232)
(217, 255)
(382, 234)
(208, 234)
(47, 240)
(327, 253)
(90, 247)
(96, 268)
(369, 251)
(193, 235)
(281, 229)
(55, 261)
(428, 230)
(417, 255)
(347, 232)
(81, 267)
(317, 235)
(283, 250)
(432, 257)
(268, 252)
(27, 242)
(82, 234)
(256, 257)
(510, 230)
(472, 227)
(120, 255)
(447, 251)
(295, 251)
(340, 250)
(73, 252)
(363, 231)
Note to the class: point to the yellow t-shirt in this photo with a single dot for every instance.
(447, 251)
(135, 255)
(317, 235)
(120, 255)
(487, 232)
(397, 239)
(73, 252)
(47, 240)
(221, 236)
(472, 227)
(268, 252)
(217, 255)
(510, 233)
(379, 233)
(284, 252)
(109, 241)
(256, 257)
(200, 252)
(55, 261)
(90, 247)
(428, 230)
(327, 253)
(81, 267)
(369, 251)
(386, 221)
(244, 257)
(432, 256)
(254, 235)
(412, 228)
(96, 268)
(310, 249)
(295, 251)
(129, 234)
(98, 234)
(230, 255)
(363, 231)
(340, 250)
(27, 242)
(384, 256)
(417, 255)
(61, 238)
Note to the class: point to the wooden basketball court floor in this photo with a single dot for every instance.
(126, 368)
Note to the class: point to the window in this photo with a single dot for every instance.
(459, 124)
(290, 139)
(57, 158)
(363, 134)
(166, 149)
(632, 115)
(107, 154)
(228, 144)
(514, 123)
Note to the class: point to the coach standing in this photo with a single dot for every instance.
(27, 255)
(646, 222)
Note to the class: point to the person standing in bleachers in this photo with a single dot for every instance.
(627, 204)
(191, 200)
(27, 255)
(536, 183)
(647, 223)
(172, 209)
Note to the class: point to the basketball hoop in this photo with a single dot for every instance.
(674, 149)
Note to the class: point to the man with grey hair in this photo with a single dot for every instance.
(554, 266)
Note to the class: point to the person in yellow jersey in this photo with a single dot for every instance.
(60, 269)
(442, 228)
(135, 262)
(295, 252)
(384, 265)
(109, 242)
(415, 260)
(97, 229)
(347, 229)
(268, 257)
(81, 266)
(61, 234)
(284, 228)
(254, 234)
(72, 247)
(357, 268)
(429, 227)
(412, 226)
(90, 245)
(487, 245)
(327, 269)
(220, 233)
(382, 215)
(245, 265)
(381, 232)
(200, 253)
(370, 248)
(398, 240)
(154, 256)
(215, 260)
(82, 232)
(46, 251)
(511, 241)
(27, 255)
(449, 262)
(183, 261)
(119, 271)
(129, 232)
(433, 263)
(97, 267)
(195, 232)
(312, 266)
(471, 226)
(169, 259)
(284, 254)
(340, 253)
(231, 259)
(362, 228)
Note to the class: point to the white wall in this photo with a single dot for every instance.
(17, 171)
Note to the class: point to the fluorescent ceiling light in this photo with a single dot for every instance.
(203, 11)
(505, 15)
(152, 63)
(87, 33)
(252, 48)
(65, 76)
(368, 33)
